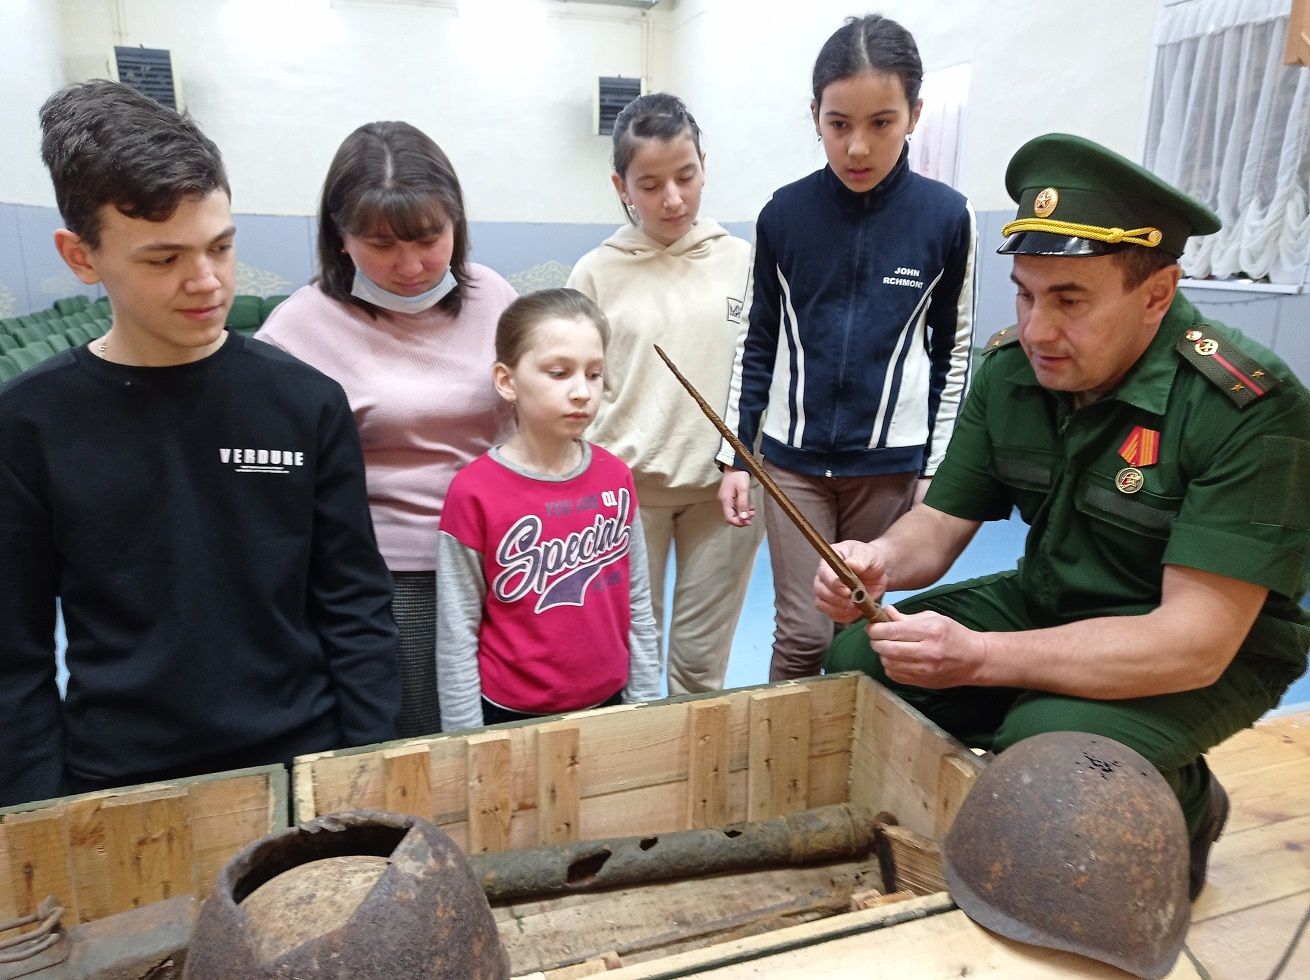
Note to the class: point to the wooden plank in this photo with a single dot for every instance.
(490, 801)
(1248, 943)
(37, 848)
(918, 861)
(900, 753)
(777, 780)
(867, 774)
(702, 961)
(1256, 866)
(1266, 794)
(227, 814)
(93, 877)
(707, 767)
(558, 783)
(148, 837)
(305, 804)
(944, 946)
(956, 778)
(620, 749)
(406, 780)
(672, 916)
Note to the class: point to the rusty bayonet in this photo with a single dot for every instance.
(866, 605)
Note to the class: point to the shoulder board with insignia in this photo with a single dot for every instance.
(1002, 338)
(1227, 368)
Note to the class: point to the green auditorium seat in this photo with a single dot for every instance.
(7, 324)
(8, 343)
(78, 335)
(41, 348)
(28, 335)
(56, 342)
(25, 357)
(244, 317)
(266, 306)
(100, 307)
(81, 316)
(29, 320)
(100, 326)
(9, 368)
(71, 304)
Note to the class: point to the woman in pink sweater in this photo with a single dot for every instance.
(406, 324)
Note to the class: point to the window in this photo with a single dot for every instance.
(1230, 124)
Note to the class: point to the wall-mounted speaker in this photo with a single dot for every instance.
(149, 71)
(612, 95)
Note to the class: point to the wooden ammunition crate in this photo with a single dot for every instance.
(107, 852)
(682, 763)
(679, 764)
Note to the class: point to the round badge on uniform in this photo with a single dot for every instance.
(1129, 480)
(1045, 201)
(1193, 335)
(1206, 347)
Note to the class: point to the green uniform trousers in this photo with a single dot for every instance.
(1170, 730)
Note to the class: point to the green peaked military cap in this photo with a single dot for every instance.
(1076, 197)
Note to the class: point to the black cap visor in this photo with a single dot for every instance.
(1048, 243)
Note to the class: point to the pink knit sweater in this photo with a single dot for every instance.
(420, 388)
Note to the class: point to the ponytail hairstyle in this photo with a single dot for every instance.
(658, 116)
(869, 43)
(521, 318)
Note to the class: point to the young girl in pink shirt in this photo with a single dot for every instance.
(543, 595)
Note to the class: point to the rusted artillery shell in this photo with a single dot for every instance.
(824, 833)
(356, 895)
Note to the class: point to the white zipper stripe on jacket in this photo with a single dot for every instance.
(784, 413)
(957, 375)
(917, 404)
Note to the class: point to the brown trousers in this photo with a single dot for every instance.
(841, 508)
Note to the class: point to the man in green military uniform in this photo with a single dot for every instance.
(1162, 462)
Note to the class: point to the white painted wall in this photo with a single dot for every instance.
(505, 86)
(30, 70)
(1038, 66)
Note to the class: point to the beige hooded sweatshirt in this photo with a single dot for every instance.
(690, 299)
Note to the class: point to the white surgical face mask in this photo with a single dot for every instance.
(370, 292)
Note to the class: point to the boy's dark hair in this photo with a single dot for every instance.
(388, 176)
(523, 316)
(106, 143)
(656, 116)
(869, 43)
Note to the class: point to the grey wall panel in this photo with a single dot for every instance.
(13, 271)
(274, 253)
(47, 277)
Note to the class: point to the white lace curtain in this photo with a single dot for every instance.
(1230, 124)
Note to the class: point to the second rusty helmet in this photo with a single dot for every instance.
(1075, 842)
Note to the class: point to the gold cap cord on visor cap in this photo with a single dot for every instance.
(1077, 197)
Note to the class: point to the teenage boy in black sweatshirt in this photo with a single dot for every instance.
(194, 500)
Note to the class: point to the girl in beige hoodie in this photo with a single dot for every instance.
(678, 280)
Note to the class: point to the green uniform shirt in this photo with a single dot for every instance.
(1228, 489)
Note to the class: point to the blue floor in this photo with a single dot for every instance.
(996, 547)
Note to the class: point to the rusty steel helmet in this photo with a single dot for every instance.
(359, 895)
(1075, 842)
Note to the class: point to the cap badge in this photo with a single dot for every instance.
(1045, 201)
(1129, 480)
